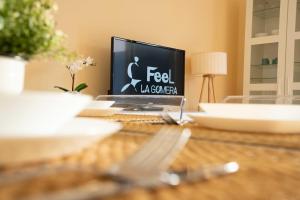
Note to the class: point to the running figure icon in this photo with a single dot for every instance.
(133, 81)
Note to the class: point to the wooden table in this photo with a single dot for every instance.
(269, 164)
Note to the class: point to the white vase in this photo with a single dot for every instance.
(12, 72)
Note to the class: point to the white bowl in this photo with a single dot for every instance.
(71, 138)
(38, 112)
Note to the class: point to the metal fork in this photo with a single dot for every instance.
(153, 158)
(143, 168)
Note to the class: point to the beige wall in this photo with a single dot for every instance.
(193, 25)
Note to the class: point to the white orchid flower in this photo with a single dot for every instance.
(89, 61)
(78, 65)
(75, 66)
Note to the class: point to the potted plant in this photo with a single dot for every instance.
(27, 30)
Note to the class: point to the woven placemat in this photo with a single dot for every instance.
(265, 173)
(135, 119)
(270, 165)
(269, 140)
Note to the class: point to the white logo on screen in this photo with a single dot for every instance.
(133, 81)
(152, 75)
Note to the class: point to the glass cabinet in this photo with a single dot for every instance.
(293, 49)
(296, 70)
(272, 48)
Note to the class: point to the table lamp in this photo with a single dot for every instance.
(208, 65)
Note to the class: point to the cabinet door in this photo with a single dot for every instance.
(293, 49)
(265, 47)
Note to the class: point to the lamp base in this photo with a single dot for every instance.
(211, 89)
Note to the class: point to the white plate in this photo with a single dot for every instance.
(75, 135)
(99, 112)
(250, 117)
(38, 112)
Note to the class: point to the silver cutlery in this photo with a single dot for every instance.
(201, 174)
(143, 168)
(169, 120)
(156, 153)
(153, 157)
(146, 169)
(97, 190)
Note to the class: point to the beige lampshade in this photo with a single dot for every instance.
(209, 63)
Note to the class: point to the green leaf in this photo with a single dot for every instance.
(61, 88)
(81, 86)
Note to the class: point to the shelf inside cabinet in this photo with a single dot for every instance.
(267, 92)
(262, 80)
(267, 12)
(266, 100)
(263, 86)
(263, 74)
(265, 39)
(269, 66)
